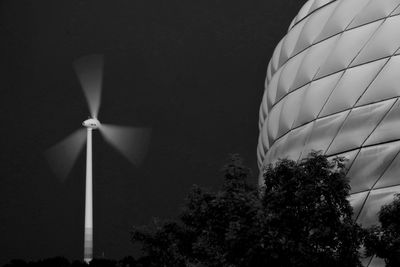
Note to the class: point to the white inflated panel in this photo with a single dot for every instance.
(323, 132)
(369, 165)
(318, 4)
(290, 109)
(272, 89)
(315, 96)
(275, 58)
(304, 11)
(388, 129)
(350, 43)
(296, 140)
(384, 42)
(385, 85)
(312, 62)
(288, 75)
(375, 10)
(289, 42)
(313, 27)
(341, 17)
(358, 126)
(263, 109)
(357, 201)
(351, 86)
(264, 138)
(273, 122)
(391, 176)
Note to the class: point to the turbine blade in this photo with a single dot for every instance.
(130, 141)
(89, 70)
(63, 155)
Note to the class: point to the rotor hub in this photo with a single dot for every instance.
(91, 123)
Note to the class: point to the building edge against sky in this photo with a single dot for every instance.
(333, 84)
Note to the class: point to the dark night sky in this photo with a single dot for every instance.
(192, 70)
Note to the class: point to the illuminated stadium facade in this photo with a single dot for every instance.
(333, 84)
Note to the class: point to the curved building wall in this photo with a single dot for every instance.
(333, 84)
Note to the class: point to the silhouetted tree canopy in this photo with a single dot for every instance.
(63, 262)
(384, 240)
(16, 263)
(50, 262)
(301, 217)
(309, 218)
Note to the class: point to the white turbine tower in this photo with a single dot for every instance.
(130, 141)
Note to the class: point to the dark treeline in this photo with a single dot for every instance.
(301, 217)
(63, 262)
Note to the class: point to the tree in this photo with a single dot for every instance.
(163, 244)
(384, 240)
(225, 226)
(301, 217)
(16, 263)
(77, 263)
(50, 262)
(309, 218)
(208, 223)
(128, 261)
(102, 263)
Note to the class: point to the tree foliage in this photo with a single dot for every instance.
(384, 240)
(301, 217)
(309, 217)
(63, 262)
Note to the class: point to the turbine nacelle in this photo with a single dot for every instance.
(91, 123)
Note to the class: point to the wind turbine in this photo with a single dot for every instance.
(130, 141)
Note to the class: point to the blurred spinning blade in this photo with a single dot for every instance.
(130, 141)
(89, 70)
(63, 155)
